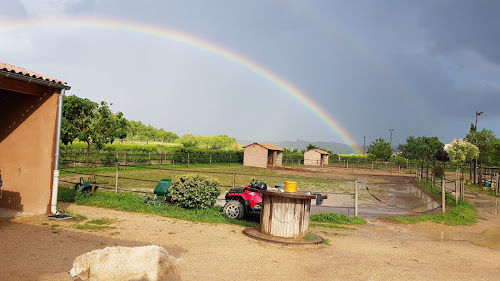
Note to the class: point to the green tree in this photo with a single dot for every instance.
(481, 140)
(380, 149)
(91, 123)
(311, 146)
(134, 128)
(165, 136)
(462, 151)
(421, 148)
(188, 140)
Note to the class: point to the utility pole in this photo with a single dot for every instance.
(477, 115)
(475, 138)
(390, 142)
(364, 144)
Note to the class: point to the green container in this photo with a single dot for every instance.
(161, 188)
(487, 184)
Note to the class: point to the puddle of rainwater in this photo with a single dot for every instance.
(489, 238)
(427, 202)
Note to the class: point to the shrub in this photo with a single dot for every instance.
(438, 171)
(194, 191)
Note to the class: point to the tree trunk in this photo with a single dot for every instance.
(475, 163)
(427, 172)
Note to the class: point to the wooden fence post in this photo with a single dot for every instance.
(497, 186)
(355, 197)
(443, 195)
(125, 160)
(116, 177)
(456, 194)
(347, 162)
(229, 159)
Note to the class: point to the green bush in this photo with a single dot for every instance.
(194, 191)
(438, 171)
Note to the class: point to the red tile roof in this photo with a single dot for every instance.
(25, 72)
(320, 151)
(268, 146)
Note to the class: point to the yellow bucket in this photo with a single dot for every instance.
(290, 186)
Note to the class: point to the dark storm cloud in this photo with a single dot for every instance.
(461, 24)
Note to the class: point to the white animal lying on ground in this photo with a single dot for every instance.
(151, 263)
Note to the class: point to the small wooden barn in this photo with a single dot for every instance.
(316, 157)
(262, 155)
(30, 105)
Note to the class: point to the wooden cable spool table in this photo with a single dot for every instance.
(285, 214)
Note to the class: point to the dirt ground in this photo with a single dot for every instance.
(40, 248)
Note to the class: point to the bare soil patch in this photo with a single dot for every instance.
(40, 248)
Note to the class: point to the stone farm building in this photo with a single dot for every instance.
(29, 141)
(262, 155)
(316, 157)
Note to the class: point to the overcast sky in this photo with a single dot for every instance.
(422, 68)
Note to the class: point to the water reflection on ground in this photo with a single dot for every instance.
(489, 238)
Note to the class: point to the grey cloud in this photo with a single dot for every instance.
(461, 24)
(12, 9)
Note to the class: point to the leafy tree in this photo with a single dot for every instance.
(311, 146)
(91, 123)
(423, 148)
(462, 151)
(442, 155)
(165, 136)
(77, 116)
(494, 148)
(134, 128)
(481, 140)
(380, 149)
(188, 140)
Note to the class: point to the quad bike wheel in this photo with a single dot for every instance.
(234, 209)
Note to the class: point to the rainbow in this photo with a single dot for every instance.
(197, 42)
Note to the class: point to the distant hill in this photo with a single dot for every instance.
(335, 147)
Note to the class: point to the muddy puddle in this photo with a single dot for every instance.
(489, 238)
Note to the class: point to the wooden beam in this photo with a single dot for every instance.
(23, 87)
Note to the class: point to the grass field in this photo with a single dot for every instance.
(144, 178)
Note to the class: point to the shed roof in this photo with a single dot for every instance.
(320, 151)
(24, 72)
(268, 146)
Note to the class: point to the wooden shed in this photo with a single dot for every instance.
(316, 157)
(29, 139)
(262, 155)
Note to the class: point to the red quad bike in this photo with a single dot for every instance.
(240, 201)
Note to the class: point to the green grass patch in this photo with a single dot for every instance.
(76, 217)
(463, 213)
(480, 189)
(333, 218)
(330, 225)
(66, 195)
(101, 221)
(310, 236)
(243, 175)
(126, 202)
(93, 227)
